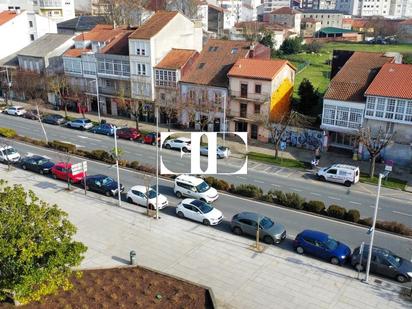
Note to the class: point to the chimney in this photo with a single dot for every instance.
(18, 11)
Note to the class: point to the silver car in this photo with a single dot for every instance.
(269, 231)
(81, 123)
(221, 151)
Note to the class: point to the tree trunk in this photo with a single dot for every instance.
(65, 110)
(276, 150)
(168, 124)
(136, 120)
(372, 166)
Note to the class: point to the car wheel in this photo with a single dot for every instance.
(358, 267)
(185, 149)
(348, 183)
(322, 178)
(268, 240)
(54, 176)
(335, 261)
(108, 193)
(180, 214)
(401, 278)
(131, 139)
(206, 222)
(167, 146)
(82, 128)
(129, 200)
(41, 172)
(24, 167)
(69, 125)
(153, 143)
(178, 194)
(300, 250)
(151, 206)
(237, 230)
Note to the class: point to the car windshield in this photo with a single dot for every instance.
(331, 244)
(204, 207)
(393, 259)
(222, 148)
(87, 121)
(151, 193)
(9, 151)
(203, 187)
(107, 181)
(42, 161)
(266, 223)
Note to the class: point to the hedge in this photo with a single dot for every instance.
(315, 206)
(353, 215)
(294, 200)
(246, 190)
(8, 133)
(218, 184)
(66, 147)
(336, 211)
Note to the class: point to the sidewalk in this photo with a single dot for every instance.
(239, 277)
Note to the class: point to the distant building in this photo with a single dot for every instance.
(364, 8)
(333, 34)
(287, 17)
(327, 18)
(79, 24)
(405, 31)
(270, 5)
(318, 4)
(309, 27)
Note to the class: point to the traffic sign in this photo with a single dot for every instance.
(79, 167)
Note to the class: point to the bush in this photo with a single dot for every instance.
(352, 215)
(66, 147)
(247, 190)
(217, 183)
(336, 211)
(101, 155)
(147, 169)
(279, 197)
(8, 133)
(294, 200)
(315, 206)
(394, 227)
(134, 165)
(313, 47)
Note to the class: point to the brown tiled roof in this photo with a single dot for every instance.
(406, 22)
(351, 82)
(5, 16)
(257, 68)
(119, 45)
(285, 11)
(75, 52)
(153, 25)
(359, 23)
(100, 33)
(261, 26)
(347, 20)
(393, 80)
(176, 59)
(215, 61)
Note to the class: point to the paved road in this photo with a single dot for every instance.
(230, 205)
(394, 205)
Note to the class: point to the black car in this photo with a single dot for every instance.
(36, 164)
(384, 262)
(31, 114)
(102, 184)
(54, 119)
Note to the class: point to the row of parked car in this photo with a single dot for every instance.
(197, 206)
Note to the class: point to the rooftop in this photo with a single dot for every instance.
(100, 33)
(75, 52)
(6, 16)
(81, 23)
(119, 45)
(351, 82)
(153, 25)
(176, 58)
(285, 11)
(257, 68)
(314, 11)
(44, 45)
(406, 22)
(333, 30)
(393, 80)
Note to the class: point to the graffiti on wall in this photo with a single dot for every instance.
(303, 138)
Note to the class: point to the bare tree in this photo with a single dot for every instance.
(122, 12)
(374, 141)
(252, 30)
(78, 94)
(29, 85)
(188, 7)
(58, 85)
(38, 104)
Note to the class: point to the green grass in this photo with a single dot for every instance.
(318, 70)
(261, 157)
(391, 183)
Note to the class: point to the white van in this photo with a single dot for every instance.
(341, 173)
(194, 187)
(9, 154)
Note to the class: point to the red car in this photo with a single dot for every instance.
(63, 171)
(128, 133)
(150, 138)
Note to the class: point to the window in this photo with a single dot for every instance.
(201, 65)
(257, 108)
(332, 171)
(30, 24)
(258, 88)
(31, 37)
(342, 116)
(162, 96)
(218, 98)
(329, 112)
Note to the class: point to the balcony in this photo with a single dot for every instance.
(256, 97)
(50, 4)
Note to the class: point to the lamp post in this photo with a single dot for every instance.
(97, 97)
(117, 167)
(372, 229)
(157, 162)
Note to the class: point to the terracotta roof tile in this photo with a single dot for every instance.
(406, 22)
(285, 11)
(100, 33)
(5, 16)
(119, 45)
(153, 25)
(393, 80)
(176, 59)
(359, 23)
(75, 52)
(257, 68)
(351, 82)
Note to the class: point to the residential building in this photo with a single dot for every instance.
(350, 7)
(45, 54)
(318, 4)
(204, 90)
(327, 18)
(365, 8)
(405, 31)
(260, 92)
(270, 5)
(215, 19)
(150, 43)
(56, 10)
(309, 27)
(19, 28)
(338, 34)
(389, 108)
(344, 100)
(287, 17)
(79, 24)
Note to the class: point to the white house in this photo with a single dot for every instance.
(20, 28)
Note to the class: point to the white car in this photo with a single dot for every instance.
(139, 195)
(15, 111)
(182, 143)
(190, 186)
(9, 154)
(81, 123)
(199, 211)
(221, 151)
(341, 173)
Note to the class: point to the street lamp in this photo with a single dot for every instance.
(97, 97)
(117, 167)
(372, 229)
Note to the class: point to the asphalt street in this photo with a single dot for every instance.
(394, 205)
(294, 221)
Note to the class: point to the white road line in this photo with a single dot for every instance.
(257, 165)
(334, 198)
(315, 194)
(373, 206)
(244, 178)
(258, 181)
(268, 168)
(356, 203)
(90, 138)
(402, 213)
(275, 185)
(297, 190)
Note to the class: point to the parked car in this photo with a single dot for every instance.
(221, 151)
(384, 262)
(321, 245)
(200, 211)
(80, 123)
(140, 196)
(32, 114)
(340, 173)
(181, 143)
(55, 119)
(247, 222)
(104, 128)
(63, 171)
(128, 133)
(15, 110)
(194, 187)
(150, 138)
(9, 154)
(36, 164)
(102, 184)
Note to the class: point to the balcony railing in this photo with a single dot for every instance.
(262, 97)
(50, 3)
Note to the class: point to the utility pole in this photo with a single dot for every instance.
(157, 162)
(97, 98)
(119, 198)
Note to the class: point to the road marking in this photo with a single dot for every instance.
(315, 194)
(78, 146)
(258, 181)
(268, 168)
(334, 198)
(402, 213)
(244, 178)
(257, 165)
(356, 203)
(275, 185)
(90, 138)
(297, 190)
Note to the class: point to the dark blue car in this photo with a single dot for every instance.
(321, 245)
(104, 128)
